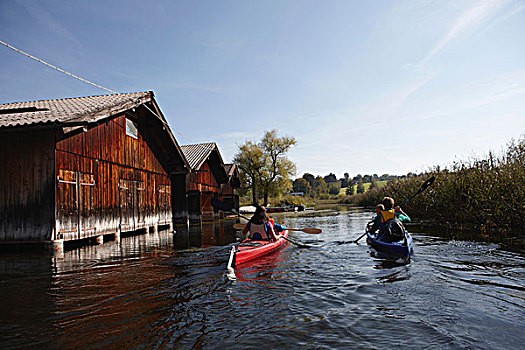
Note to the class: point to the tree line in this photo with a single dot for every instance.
(317, 186)
(266, 171)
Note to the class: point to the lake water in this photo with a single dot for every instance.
(173, 291)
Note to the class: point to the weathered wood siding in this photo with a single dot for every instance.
(201, 187)
(229, 196)
(202, 180)
(109, 180)
(227, 189)
(26, 186)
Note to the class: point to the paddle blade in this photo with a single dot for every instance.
(239, 226)
(427, 184)
(310, 230)
(423, 187)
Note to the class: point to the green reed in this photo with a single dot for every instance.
(485, 195)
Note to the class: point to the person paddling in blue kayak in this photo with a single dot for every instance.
(389, 221)
(260, 227)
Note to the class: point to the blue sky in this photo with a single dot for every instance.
(364, 86)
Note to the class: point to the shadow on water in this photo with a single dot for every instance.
(386, 261)
(205, 234)
(515, 243)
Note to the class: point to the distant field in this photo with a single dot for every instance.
(367, 186)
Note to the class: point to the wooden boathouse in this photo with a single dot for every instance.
(80, 168)
(204, 181)
(228, 194)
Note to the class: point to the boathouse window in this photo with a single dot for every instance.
(22, 110)
(131, 129)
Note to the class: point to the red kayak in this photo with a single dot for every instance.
(248, 250)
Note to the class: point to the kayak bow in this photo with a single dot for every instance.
(248, 249)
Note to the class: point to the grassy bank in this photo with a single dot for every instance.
(366, 185)
(485, 195)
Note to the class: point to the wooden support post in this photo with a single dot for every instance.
(179, 202)
(118, 233)
(194, 206)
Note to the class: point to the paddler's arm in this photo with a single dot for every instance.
(272, 232)
(246, 229)
(375, 226)
(401, 215)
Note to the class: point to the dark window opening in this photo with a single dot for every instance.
(22, 110)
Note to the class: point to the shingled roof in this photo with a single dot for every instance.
(197, 154)
(69, 111)
(233, 174)
(73, 113)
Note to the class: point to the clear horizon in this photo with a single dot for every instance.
(365, 88)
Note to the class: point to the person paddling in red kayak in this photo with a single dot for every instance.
(260, 226)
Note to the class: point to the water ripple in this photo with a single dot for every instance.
(143, 293)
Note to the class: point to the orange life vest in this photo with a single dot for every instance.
(387, 215)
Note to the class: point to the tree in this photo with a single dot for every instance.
(310, 178)
(301, 185)
(319, 186)
(360, 186)
(250, 161)
(334, 188)
(373, 184)
(278, 167)
(265, 165)
(350, 190)
(345, 181)
(330, 178)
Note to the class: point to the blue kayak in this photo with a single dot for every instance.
(398, 249)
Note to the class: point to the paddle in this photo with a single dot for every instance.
(216, 203)
(423, 187)
(241, 226)
(230, 260)
(310, 230)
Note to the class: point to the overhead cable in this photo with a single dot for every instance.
(75, 76)
(55, 67)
